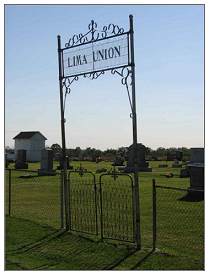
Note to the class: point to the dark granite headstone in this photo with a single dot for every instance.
(171, 156)
(176, 164)
(184, 173)
(60, 167)
(21, 155)
(142, 165)
(174, 155)
(179, 155)
(197, 155)
(119, 161)
(196, 169)
(20, 162)
(46, 163)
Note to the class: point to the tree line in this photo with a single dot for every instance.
(93, 154)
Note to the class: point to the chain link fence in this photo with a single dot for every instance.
(172, 219)
(99, 207)
(178, 222)
(32, 197)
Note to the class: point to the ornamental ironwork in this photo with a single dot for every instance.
(94, 34)
(94, 52)
(91, 55)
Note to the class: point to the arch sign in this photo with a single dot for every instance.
(91, 55)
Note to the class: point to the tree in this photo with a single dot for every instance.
(78, 152)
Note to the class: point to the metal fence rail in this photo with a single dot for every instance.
(172, 223)
(101, 208)
(178, 221)
(33, 197)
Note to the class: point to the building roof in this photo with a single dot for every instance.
(28, 135)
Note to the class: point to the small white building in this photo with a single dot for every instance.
(32, 142)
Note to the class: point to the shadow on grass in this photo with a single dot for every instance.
(193, 197)
(143, 259)
(31, 246)
(118, 262)
(22, 234)
(45, 239)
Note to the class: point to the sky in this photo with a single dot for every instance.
(169, 58)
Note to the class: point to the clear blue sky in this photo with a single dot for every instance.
(169, 58)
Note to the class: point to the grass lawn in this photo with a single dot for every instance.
(31, 241)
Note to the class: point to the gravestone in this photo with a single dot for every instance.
(197, 155)
(184, 173)
(171, 156)
(142, 165)
(175, 155)
(60, 167)
(46, 163)
(119, 161)
(179, 155)
(196, 169)
(176, 164)
(20, 162)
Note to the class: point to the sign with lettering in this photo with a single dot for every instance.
(108, 48)
(96, 56)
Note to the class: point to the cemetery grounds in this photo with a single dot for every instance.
(34, 241)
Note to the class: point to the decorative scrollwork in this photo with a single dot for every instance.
(67, 82)
(81, 170)
(94, 75)
(94, 34)
(126, 74)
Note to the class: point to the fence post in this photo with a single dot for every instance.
(10, 189)
(154, 220)
(101, 217)
(61, 200)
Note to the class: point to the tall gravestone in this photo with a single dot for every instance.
(142, 165)
(177, 157)
(197, 155)
(46, 167)
(196, 169)
(20, 162)
(61, 166)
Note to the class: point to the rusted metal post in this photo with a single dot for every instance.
(64, 161)
(134, 122)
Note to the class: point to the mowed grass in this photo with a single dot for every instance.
(63, 251)
(36, 203)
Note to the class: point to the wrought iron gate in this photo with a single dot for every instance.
(117, 210)
(83, 202)
(105, 208)
(91, 55)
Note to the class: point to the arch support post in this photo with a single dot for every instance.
(134, 124)
(64, 161)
